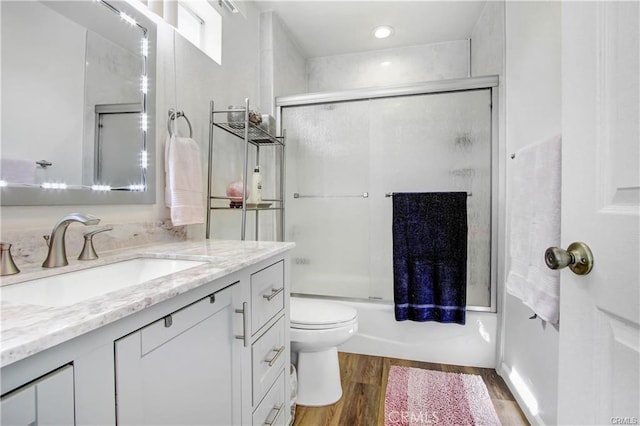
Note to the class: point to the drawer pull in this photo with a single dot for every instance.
(245, 324)
(277, 409)
(275, 357)
(274, 293)
(168, 321)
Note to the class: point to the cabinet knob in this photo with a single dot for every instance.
(168, 321)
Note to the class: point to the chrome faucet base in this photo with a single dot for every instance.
(88, 251)
(7, 265)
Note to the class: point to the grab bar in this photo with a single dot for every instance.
(363, 195)
(174, 115)
(390, 194)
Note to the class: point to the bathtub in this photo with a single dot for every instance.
(473, 344)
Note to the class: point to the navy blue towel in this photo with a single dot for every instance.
(430, 256)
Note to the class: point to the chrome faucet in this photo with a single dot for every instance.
(57, 255)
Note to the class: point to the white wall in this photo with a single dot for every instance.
(488, 58)
(275, 67)
(282, 72)
(198, 80)
(289, 63)
(283, 66)
(487, 41)
(533, 113)
(412, 64)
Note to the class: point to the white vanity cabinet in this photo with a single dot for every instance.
(48, 400)
(183, 369)
(220, 363)
(270, 349)
(214, 354)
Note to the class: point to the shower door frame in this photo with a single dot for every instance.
(427, 88)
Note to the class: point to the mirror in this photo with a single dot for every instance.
(77, 103)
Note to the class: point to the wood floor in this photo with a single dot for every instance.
(364, 380)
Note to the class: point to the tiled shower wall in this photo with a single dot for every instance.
(414, 64)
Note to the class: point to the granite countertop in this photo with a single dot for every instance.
(28, 329)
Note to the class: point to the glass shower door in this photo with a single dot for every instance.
(327, 216)
(432, 143)
(338, 151)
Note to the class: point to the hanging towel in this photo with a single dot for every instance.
(430, 256)
(535, 225)
(183, 181)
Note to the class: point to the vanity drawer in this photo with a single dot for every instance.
(267, 295)
(162, 331)
(272, 410)
(267, 358)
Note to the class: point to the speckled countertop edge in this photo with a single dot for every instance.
(28, 329)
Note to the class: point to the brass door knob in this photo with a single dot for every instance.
(577, 257)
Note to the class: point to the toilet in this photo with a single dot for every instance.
(317, 328)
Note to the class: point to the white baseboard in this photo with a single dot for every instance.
(504, 371)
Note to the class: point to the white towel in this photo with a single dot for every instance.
(534, 226)
(183, 181)
(14, 170)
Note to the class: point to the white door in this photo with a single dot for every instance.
(599, 370)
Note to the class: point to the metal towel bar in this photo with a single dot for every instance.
(363, 195)
(174, 115)
(390, 194)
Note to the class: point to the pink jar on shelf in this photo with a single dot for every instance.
(234, 192)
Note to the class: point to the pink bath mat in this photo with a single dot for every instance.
(425, 397)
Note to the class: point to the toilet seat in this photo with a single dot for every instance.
(318, 315)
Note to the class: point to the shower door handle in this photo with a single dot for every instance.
(577, 257)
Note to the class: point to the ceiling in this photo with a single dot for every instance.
(333, 27)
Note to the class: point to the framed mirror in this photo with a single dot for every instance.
(78, 103)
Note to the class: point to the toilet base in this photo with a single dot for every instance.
(318, 378)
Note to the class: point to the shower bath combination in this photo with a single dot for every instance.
(347, 152)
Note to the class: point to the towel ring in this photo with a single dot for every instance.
(174, 115)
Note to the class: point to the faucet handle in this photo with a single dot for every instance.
(8, 267)
(88, 251)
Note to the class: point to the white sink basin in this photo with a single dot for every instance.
(73, 287)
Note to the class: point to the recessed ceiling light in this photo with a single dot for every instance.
(382, 31)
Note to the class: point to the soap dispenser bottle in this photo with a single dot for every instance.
(256, 187)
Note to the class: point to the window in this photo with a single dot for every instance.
(201, 24)
(190, 25)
